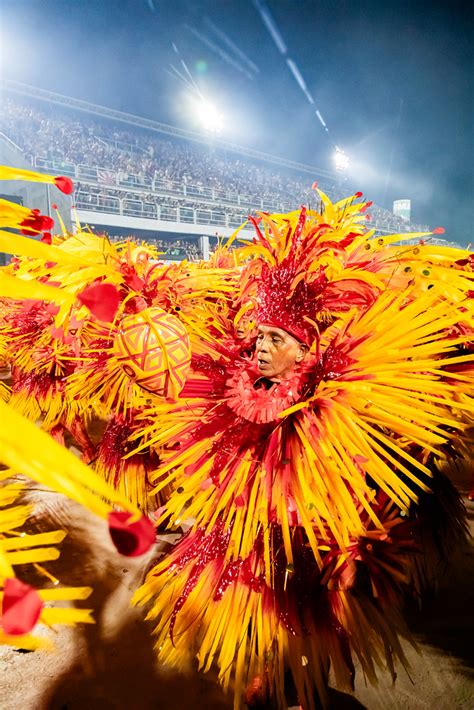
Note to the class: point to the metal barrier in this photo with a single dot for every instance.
(169, 214)
(56, 165)
(186, 215)
(203, 216)
(168, 186)
(86, 172)
(227, 197)
(96, 203)
(150, 210)
(122, 145)
(132, 208)
(106, 176)
(235, 221)
(129, 207)
(179, 190)
(218, 219)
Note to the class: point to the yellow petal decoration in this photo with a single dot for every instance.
(12, 173)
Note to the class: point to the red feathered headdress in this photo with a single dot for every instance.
(297, 278)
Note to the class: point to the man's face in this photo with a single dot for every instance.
(277, 352)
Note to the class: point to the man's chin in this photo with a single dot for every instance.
(266, 371)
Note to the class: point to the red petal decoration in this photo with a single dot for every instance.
(314, 185)
(47, 223)
(64, 184)
(358, 194)
(102, 300)
(54, 206)
(21, 607)
(47, 238)
(131, 538)
(36, 223)
(439, 230)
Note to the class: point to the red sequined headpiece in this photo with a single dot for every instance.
(291, 279)
(287, 308)
(286, 298)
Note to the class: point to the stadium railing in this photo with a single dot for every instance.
(105, 177)
(140, 208)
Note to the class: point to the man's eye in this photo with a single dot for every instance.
(276, 341)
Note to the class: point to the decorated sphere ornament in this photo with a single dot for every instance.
(153, 349)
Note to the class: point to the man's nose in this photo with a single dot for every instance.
(262, 345)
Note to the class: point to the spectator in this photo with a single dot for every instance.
(152, 166)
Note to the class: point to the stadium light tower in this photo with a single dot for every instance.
(209, 116)
(341, 160)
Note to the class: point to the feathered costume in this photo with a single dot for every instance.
(315, 499)
(121, 338)
(27, 450)
(309, 495)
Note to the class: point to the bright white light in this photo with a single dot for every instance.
(209, 116)
(341, 160)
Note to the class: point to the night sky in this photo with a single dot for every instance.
(393, 81)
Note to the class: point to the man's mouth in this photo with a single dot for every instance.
(262, 363)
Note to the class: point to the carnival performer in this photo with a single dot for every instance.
(306, 464)
(27, 452)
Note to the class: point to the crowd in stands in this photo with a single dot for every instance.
(151, 205)
(55, 134)
(170, 249)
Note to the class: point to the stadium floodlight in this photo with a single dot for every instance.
(341, 160)
(209, 116)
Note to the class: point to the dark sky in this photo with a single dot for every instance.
(392, 80)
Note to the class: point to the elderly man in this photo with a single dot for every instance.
(277, 352)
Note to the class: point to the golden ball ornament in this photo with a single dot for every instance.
(153, 349)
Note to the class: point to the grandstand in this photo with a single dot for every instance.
(161, 183)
